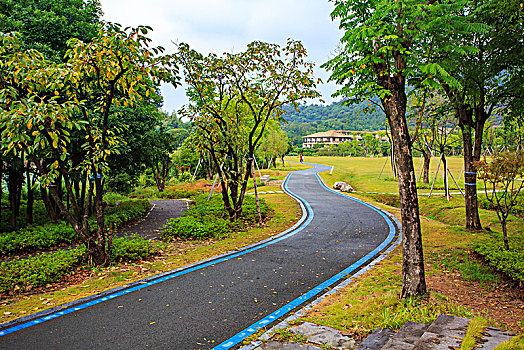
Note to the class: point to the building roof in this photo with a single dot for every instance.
(330, 133)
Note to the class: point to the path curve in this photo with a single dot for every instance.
(151, 226)
(211, 303)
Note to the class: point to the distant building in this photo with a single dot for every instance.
(331, 137)
(334, 137)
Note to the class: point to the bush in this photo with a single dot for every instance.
(190, 227)
(34, 238)
(517, 210)
(126, 212)
(510, 262)
(133, 248)
(39, 270)
(210, 219)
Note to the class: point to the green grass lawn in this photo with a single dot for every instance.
(372, 301)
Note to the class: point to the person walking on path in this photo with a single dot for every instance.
(301, 158)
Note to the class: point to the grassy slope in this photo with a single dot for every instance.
(373, 301)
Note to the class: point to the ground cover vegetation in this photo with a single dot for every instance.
(457, 261)
(86, 280)
(80, 117)
(390, 46)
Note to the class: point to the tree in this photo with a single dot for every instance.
(378, 55)
(46, 26)
(485, 76)
(274, 145)
(41, 101)
(502, 184)
(232, 100)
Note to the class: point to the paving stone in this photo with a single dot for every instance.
(444, 333)
(377, 339)
(276, 345)
(433, 341)
(493, 337)
(449, 325)
(406, 337)
(324, 336)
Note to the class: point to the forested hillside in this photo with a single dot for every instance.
(310, 119)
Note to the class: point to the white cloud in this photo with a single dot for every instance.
(229, 25)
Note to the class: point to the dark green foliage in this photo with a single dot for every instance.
(517, 210)
(35, 238)
(190, 227)
(210, 219)
(40, 216)
(39, 270)
(126, 211)
(133, 248)
(48, 25)
(510, 262)
(316, 118)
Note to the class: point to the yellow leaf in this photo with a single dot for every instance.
(55, 144)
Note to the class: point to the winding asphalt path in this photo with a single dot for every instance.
(207, 305)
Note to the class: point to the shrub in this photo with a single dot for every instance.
(190, 227)
(34, 238)
(209, 219)
(39, 270)
(126, 212)
(510, 262)
(133, 247)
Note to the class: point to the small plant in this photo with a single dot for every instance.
(133, 247)
(39, 270)
(209, 219)
(501, 184)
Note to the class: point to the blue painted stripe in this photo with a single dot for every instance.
(255, 327)
(168, 277)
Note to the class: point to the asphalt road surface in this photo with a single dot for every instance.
(207, 305)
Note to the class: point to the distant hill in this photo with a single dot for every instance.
(315, 118)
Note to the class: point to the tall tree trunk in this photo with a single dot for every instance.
(427, 161)
(100, 253)
(413, 278)
(30, 195)
(48, 206)
(470, 181)
(256, 192)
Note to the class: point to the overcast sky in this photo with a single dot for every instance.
(228, 26)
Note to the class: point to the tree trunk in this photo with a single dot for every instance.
(256, 192)
(100, 254)
(505, 233)
(413, 279)
(47, 203)
(470, 181)
(427, 161)
(30, 196)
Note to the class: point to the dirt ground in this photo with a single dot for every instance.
(502, 302)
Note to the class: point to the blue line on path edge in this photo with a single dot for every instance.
(255, 327)
(162, 279)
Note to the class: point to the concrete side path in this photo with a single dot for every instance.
(162, 211)
(202, 306)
